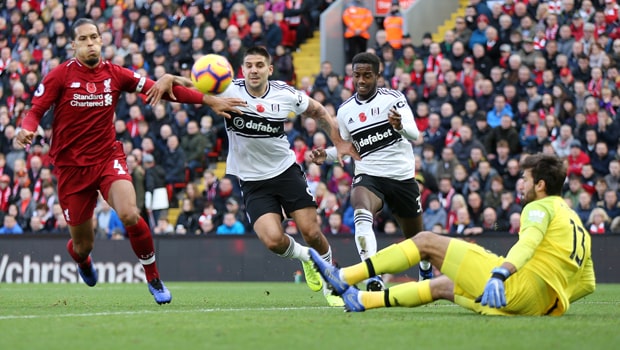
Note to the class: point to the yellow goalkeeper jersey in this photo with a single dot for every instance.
(554, 245)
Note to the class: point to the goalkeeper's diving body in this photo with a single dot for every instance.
(548, 268)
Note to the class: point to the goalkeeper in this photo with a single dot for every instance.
(549, 267)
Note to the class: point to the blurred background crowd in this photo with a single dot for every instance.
(512, 78)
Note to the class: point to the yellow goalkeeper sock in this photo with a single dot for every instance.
(393, 259)
(409, 294)
(403, 295)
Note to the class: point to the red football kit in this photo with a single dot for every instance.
(84, 149)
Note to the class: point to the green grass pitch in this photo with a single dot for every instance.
(278, 316)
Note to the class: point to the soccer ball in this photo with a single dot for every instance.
(211, 74)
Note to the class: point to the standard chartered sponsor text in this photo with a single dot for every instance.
(25, 270)
(91, 100)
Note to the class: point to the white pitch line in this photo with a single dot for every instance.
(141, 312)
(210, 310)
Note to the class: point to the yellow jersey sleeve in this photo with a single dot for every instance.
(535, 220)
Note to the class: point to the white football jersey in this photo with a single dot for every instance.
(258, 147)
(384, 152)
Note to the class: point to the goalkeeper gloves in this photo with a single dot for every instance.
(494, 295)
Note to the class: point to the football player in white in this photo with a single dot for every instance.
(379, 123)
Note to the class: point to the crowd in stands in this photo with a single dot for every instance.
(512, 78)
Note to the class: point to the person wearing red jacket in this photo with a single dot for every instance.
(576, 158)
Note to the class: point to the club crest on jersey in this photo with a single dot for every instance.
(107, 85)
(362, 117)
(275, 108)
(374, 111)
(91, 88)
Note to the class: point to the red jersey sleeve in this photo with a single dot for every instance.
(47, 93)
(133, 82)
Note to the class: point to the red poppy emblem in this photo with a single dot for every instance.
(91, 88)
(260, 108)
(362, 117)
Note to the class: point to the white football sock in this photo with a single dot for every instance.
(365, 239)
(296, 251)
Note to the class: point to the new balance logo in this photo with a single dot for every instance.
(75, 85)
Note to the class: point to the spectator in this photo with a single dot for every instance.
(576, 159)
(273, 32)
(230, 226)
(5, 192)
(320, 80)
(588, 178)
(585, 206)
(598, 222)
(195, 145)
(434, 213)
(512, 175)
(500, 108)
(463, 224)
(35, 225)
(357, 20)
(461, 32)
(563, 143)
(475, 206)
(515, 223)
(507, 207)
(504, 131)
(210, 185)
(163, 227)
(447, 164)
(462, 147)
(225, 190)
(489, 221)
(233, 206)
(335, 226)
(283, 65)
(137, 178)
(156, 197)
(460, 179)
(206, 226)
(10, 226)
(108, 220)
(528, 133)
(574, 189)
(174, 161)
(187, 221)
(26, 207)
(613, 177)
(434, 135)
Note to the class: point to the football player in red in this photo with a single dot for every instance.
(86, 156)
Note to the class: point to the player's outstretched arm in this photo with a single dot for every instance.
(24, 137)
(164, 85)
(169, 86)
(328, 123)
